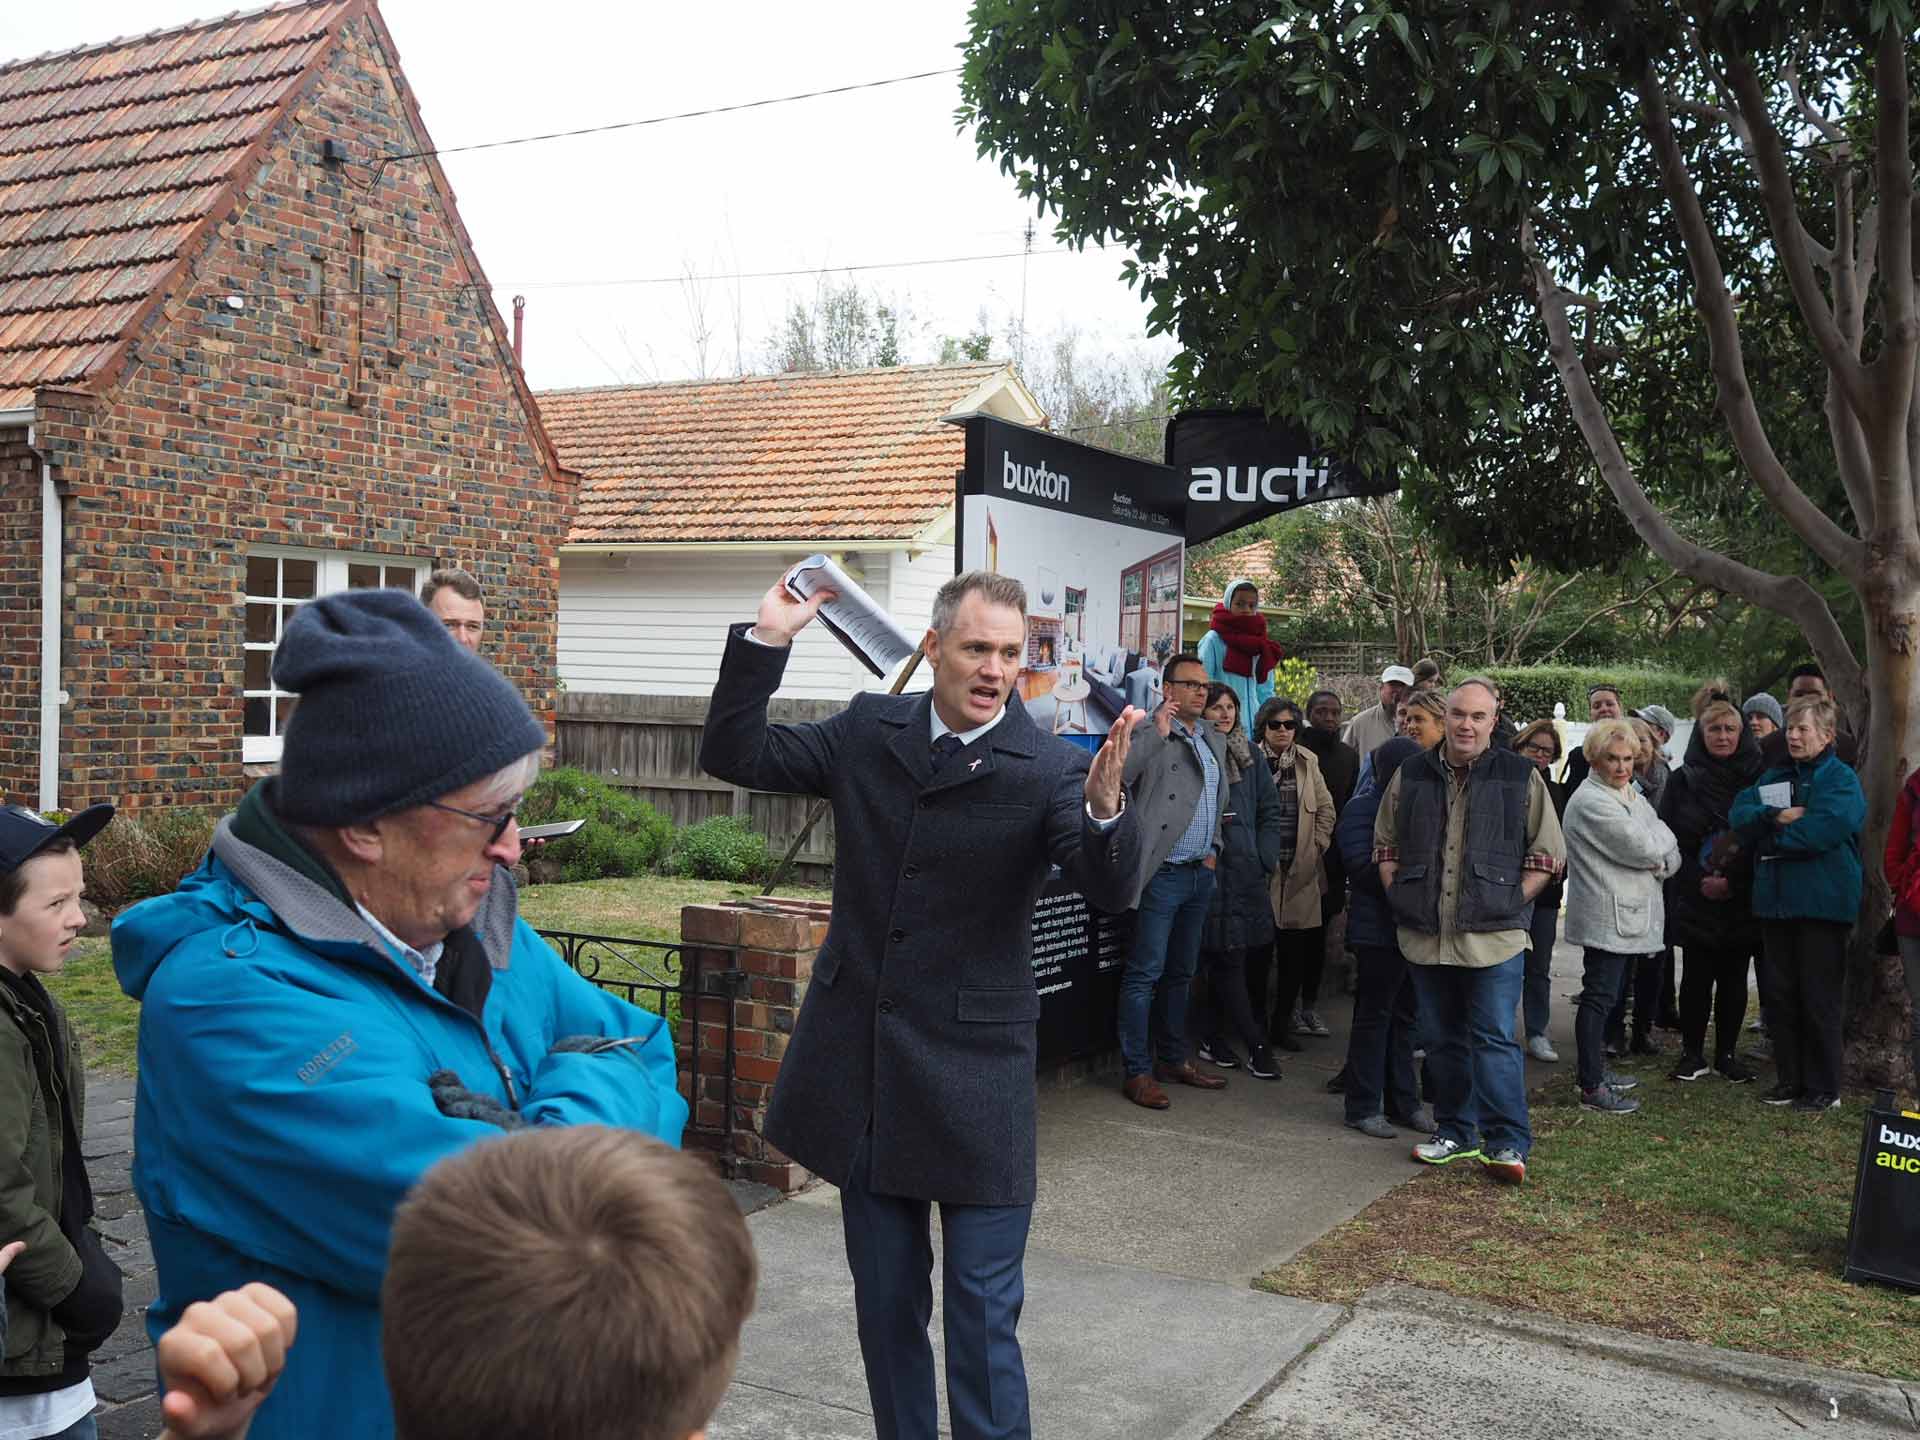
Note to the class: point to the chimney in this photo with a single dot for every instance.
(519, 313)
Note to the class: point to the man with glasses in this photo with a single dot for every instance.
(344, 993)
(1176, 773)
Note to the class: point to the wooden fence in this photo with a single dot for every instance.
(650, 744)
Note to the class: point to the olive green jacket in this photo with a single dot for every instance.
(39, 1073)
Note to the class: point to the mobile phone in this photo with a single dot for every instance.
(550, 832)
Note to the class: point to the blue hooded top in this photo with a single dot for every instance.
(283, 1110)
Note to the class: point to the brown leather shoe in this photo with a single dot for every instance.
(1142, 1091)
(1185, 1074)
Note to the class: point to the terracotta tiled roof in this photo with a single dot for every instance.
(854, 454)
(112, 158)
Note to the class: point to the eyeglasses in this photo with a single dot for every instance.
(498, 822)
(1282, 725)
(1188, 684)
(1545, 752)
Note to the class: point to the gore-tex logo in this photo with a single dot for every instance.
(336, 1051)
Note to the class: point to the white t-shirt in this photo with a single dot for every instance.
(28, 1417)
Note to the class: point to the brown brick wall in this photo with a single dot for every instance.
(227, 431)
(19, 620)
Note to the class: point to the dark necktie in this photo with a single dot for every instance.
(944, 749)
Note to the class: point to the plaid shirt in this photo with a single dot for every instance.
(1196, 841)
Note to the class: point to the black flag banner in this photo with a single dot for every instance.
(1239, 466)
(1883, 1240)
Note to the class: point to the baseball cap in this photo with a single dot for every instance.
(1396, 672)
(24, 834)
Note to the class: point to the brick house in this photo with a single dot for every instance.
(247, 356)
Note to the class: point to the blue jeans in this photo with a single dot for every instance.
(890, 1252)
(1537, 998)
(1600, 991)
(1479, 1073)
(82, 1429)
(1166, 952)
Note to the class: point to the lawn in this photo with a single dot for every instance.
(1707, 1216)
(645, 908)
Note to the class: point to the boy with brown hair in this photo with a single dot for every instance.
(582, 1281)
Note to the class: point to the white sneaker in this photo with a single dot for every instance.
(1540, 1049)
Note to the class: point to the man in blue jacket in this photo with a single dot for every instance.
(343, 994)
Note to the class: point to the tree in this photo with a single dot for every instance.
(1116, 400)
(1462, 233)
(840, 328)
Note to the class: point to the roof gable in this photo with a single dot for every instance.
(114, 160)
(854, 454)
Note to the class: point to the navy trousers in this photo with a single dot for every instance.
(890, 1252)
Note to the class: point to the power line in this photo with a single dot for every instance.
(664, 119)
(300, 292)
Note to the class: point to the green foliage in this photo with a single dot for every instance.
(1528, 693)
(1294, 679)
(623, 835)
(725, 847)
(146, 852)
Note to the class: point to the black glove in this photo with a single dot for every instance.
(457, 1102)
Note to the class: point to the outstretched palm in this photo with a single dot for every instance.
(1103, 776)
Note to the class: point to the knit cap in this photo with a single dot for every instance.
(1766, 705)
(393, 711)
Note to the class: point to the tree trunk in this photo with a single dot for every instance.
(1877, 1004)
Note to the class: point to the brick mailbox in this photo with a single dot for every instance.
(752, 958)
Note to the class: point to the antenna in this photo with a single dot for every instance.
(1026, 257)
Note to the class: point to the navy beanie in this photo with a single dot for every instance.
(393, 711)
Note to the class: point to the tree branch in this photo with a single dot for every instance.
(1895, 370)
(1789, 235)
(1840, 551)
(1787, 595)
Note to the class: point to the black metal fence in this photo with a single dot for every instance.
(654, 975)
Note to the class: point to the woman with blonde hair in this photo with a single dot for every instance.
(1618, 852)
(1707, 901)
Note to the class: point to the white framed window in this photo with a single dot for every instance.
(280, 579)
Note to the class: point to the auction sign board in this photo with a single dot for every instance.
(1237, 466)
(1096, 537)
(1883, 1241)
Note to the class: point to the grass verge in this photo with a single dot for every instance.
(1707, 1216)
(641, 908)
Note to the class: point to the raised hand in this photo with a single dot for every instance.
(782, 617)
(220, 1362)
(1103, 776)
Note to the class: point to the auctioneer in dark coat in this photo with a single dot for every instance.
(920, 1018)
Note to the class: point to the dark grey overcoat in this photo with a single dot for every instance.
(920, 1018)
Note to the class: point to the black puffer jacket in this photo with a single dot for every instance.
(1241, 914)
(1694, 806)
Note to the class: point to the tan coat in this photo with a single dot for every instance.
(1296, 889)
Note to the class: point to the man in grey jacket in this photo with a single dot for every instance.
(1177, 775)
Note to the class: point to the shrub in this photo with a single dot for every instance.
(1529, 692)
(723, 848)
(623, 835)
(147, 852)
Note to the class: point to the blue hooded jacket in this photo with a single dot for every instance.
(283, 1110)
(1809, 870)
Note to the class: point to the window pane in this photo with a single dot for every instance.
(299, 579)
(363, 577)
(259, 669)
(263, 575)
(260, 625)
(282, 713)
(257, 717)
(400, 577)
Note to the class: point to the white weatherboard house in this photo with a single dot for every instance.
(699, 494)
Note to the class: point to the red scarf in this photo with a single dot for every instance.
(1249, 650)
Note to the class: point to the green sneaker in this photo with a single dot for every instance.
(1442, 1151)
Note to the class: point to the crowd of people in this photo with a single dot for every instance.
(1439, 840)
(405, 1173)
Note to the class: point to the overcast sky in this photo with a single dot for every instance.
(878, 177)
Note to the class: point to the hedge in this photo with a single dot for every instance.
(725, 847)
(1528, 692)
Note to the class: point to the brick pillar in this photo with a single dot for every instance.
(772, 943)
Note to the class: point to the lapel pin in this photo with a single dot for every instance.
(972, 765)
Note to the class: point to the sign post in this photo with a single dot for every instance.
(1883, 1239)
